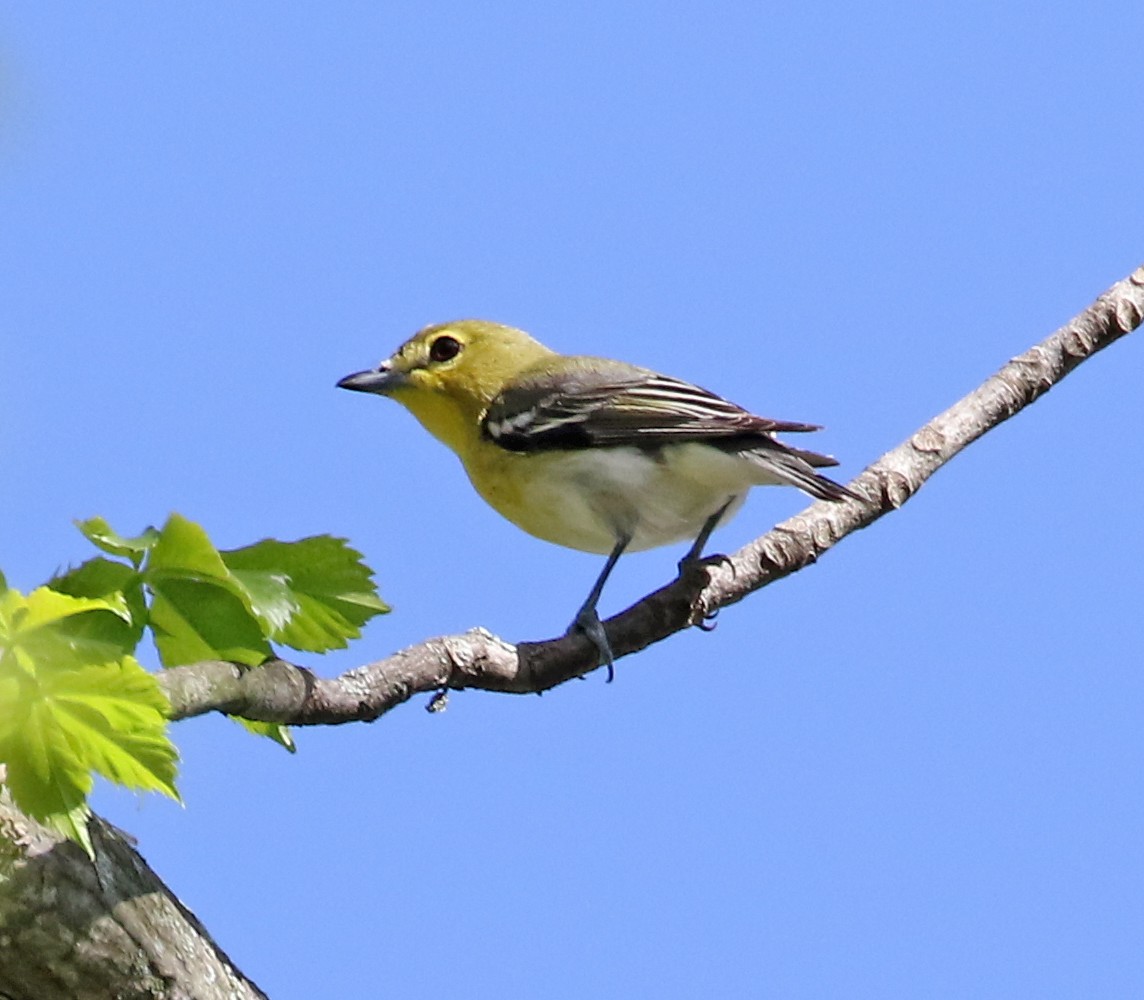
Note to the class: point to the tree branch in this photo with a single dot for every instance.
(281, 692)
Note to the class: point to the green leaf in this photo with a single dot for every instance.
(97, 531)
(196, 620)
(183, 545)
(115, 716)
(98, 577)
(312, 594)
(10, 692)
(58, 631)
(272, 730)
(44, 606)
(199, 611)
(74, 825)
(60, 725)
(71, 703)
(44, 773)
(115, 582)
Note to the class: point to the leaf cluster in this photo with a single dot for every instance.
(75, 702)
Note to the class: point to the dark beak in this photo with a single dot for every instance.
(381, 380)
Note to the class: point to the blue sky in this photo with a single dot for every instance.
(912, 770)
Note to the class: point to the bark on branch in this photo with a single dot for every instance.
(281, 692)
(74, 930)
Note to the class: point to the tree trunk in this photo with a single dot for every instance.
(76, 930)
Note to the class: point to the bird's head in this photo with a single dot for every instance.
(446, 375)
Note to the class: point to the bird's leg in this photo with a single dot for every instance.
(695, 553)
(588, 621)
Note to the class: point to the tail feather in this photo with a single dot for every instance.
(795, 467)
(814, 458)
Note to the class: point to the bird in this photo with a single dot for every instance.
(589, 453)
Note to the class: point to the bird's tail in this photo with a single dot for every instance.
(779, 463)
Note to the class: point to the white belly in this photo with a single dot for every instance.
(587, 500)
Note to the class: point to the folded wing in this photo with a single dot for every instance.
(598, 403)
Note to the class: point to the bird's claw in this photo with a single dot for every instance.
(588, 622)
(694, 564)
(708, 623)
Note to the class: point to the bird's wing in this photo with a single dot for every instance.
(590, 402)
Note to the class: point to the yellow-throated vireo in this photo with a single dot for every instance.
(592, 454)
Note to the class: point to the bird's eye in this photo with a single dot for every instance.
(444, 349)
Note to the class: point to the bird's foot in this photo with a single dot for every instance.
(587, 621)
(707, 623)
(693, 569)
(690, 565)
